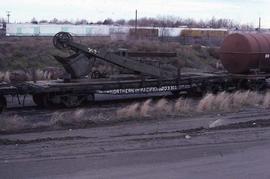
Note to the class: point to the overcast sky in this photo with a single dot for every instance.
(241, 11)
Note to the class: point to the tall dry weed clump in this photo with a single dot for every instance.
(39, 75)
(163, 106)
(73, 118)
(45, 75)
(13, 122)
(246, 98)
(183, 106)
(79, 113)
(5, 77)
(207, 103)
(56, 117)
(150, 108)
(266, 100)
(129, 111)
(223, 101)
(146, 108)
(20, 76)
(229, 101)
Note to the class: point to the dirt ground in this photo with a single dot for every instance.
(55, 144)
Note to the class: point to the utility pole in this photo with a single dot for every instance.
(136, 21)
(8, 15)
(259, 24)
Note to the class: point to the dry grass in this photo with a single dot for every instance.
(221, 102)
(150, 108)
(146, 108)
(183, 106)
(13, 122)
(78, 118)
(266, 100)
(56, 117)
(246, 98)
(207, 103)
(5, 77)
(224, 101)
(31, 52)
(20, 76)
(229, 102)
(79, 113)
(163, 106)
(129, 111)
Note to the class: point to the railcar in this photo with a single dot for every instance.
(243, 64)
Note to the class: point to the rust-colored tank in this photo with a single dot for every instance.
(241, 52)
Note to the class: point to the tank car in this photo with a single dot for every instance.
(242, 53)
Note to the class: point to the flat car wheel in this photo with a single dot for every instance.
(41, 100)
(3, 103)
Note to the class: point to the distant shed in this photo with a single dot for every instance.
(204, 33)
(143, 33)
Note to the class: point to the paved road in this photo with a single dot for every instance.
(244, 160)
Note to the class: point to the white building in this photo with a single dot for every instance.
(80, 30)
(52, 29)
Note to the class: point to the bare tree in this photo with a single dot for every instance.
(81, 21)
(108, 21)
(43, 21)
(54, 21)
(120, 22)
(34, 21)
(161, 21)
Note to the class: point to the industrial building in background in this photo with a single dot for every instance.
(28, 29)
(115, 32)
